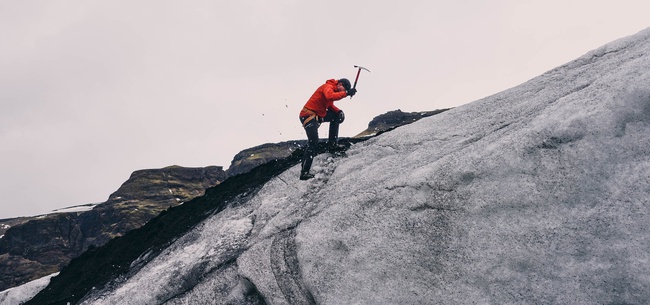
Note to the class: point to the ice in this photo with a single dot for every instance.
(23, 293)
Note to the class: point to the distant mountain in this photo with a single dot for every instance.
(537, 194)
(32, 247)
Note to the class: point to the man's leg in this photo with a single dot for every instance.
(333, 136)
(311, 150)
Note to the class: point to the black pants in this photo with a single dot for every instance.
(312, 136)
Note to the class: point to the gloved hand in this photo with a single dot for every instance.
(352, 91)
(341, 117)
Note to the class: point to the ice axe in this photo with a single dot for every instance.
(357, 78)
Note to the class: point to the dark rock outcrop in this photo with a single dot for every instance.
(32, 248)
(250, 158)
(5, 224)
(394, 119)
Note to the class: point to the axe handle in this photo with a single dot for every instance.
(356, 79)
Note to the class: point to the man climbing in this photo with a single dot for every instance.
(320, 108)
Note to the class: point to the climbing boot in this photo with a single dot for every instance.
(306, 176)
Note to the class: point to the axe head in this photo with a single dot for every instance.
(360, 68)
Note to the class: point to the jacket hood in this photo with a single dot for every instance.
(332, 82)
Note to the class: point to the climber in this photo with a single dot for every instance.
(320, 108)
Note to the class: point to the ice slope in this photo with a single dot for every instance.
(538, 194)
(23, 293)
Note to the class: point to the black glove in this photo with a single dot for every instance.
(352, 92)
(341, 117)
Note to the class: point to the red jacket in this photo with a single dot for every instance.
(323, 99)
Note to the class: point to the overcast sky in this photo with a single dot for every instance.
(94, 90)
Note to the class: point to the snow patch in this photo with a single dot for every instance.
(25, 292)
(77, 208)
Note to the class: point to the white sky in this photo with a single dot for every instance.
(94, 90)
